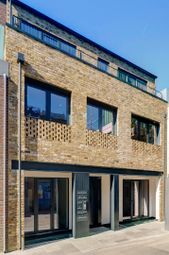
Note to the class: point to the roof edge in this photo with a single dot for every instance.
(81, 37)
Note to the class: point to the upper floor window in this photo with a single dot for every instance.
(46, 102)
(29, 29)
(145, 130)
(131, 79)
(101, 117)
(102, 65)
(47, 38)
(35, 102)
(60, 44)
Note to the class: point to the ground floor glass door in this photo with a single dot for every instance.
(46, 204)
(95, 201)
(135, 199)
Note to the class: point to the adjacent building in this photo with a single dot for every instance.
(82, 133)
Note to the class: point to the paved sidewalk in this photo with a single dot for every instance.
(145, 239)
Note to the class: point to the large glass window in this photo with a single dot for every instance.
(44, 36)
(45, 102)
(103, 65)
(68, 48)
(29, 29)
(141, 84)
(59, 106)
(46, 205)
(93, 117)
(101, 118)
(36, 102)
(58, 43)
(145, 130)
(51, 40)
(131, 79)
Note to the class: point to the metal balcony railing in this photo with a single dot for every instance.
(63, 46)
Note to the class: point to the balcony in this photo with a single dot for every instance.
(71, 50)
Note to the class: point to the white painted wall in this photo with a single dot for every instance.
(153, 207)
(105, 199)
(158, 199)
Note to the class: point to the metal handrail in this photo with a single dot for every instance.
(70, 49)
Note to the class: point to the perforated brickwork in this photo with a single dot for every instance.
(139, 147)
(42, 129)
(98, 139)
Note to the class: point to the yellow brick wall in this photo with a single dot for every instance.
(51, 66)
(83, 46)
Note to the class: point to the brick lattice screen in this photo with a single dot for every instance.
(144, 148)
(42, 129)
(99, 139)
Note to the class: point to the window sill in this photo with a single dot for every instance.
(48, 120)
(146, 143)
(98, 131)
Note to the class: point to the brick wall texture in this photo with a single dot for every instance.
(1, 157)
(77, 145)
(2, 12)
(82, 45)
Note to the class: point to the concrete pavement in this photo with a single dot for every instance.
(145, 239)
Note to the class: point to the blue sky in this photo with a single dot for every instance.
(137, 30)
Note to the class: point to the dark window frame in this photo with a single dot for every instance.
(48, 89)
(136, 78)
(41, 33)
(102, 106)
(106, 63)
(147, 122)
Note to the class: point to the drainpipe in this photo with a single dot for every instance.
(166, 154)
(20, 60)
(5, 162)
(10, 12)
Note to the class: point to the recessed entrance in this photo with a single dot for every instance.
(46, 205)
(95, 201)
(135, 199)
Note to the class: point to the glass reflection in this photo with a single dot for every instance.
(29, 205)
(44, 205)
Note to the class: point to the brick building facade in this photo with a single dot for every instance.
(91, 121)
(3, 12)
(1, 156)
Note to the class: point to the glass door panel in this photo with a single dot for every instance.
(44, 204)
(135, 198)
(56, 198)
(29, 205)
(95, 201)
(127, 198)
